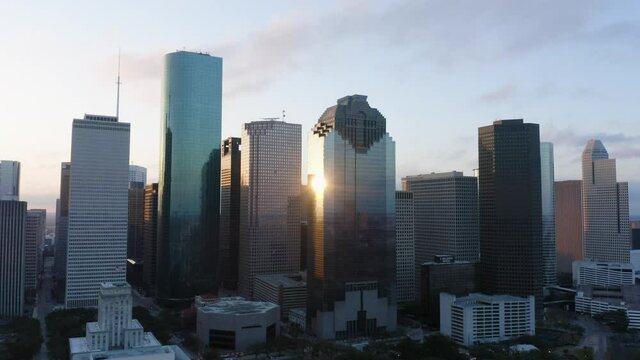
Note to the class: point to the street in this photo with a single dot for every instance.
(44, 304)
(595, 336)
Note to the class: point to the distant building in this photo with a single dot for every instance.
(116, 335)
(286, 291)
(230, 211)
(35, 230)
(568, 207)
(635, 235)
(98, 208)
(236, 324)
(446, 215)
(135, 239)
(150, 237)
(405, 247)
(62, 223)
(603, 275)
(12, 246)
(9, 180)
(510, 203)
(479, 318)
(605, 202)
(592, 302)
(443, 274)
(548, 214)
(269, 201)
(351, 288)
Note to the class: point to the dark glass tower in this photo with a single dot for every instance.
(351, 263)
(510, 210)
(150, 237)
(229, 212)
(189, 182)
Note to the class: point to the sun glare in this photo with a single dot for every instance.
(318, 183)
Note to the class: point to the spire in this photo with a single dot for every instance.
(118, 89)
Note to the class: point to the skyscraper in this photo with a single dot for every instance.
(9, 180)
(269, 201)
(446, 216)
(229, 212)
(568, 207)
(150, 236)
(510, 210)
(137, 181)
(62, 223)
(35, 229)
(98, 208)
(605, 204)
(405, 247)
(189, 184)
(12, 231)
(351, 269)
(548, 214)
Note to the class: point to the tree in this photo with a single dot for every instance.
(617, 320)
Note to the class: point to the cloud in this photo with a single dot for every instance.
(569, 137)
(502, 93)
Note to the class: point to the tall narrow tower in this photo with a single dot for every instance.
(189, 183)
(98, 207)
(547, 189)
(269, 201)
(605, 206)
(351, 272)
(510, 210)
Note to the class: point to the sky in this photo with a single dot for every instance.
(437, 70)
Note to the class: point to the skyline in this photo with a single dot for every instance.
(438, 78)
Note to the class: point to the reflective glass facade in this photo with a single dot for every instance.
(351, 169)
(510, 210)
(548, 214)
(189, 182)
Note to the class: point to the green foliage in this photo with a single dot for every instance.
(150, 323)
(65, 324)
(617, 320)
(434, 347)
(22, 339)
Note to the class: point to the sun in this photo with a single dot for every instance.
(318, 184)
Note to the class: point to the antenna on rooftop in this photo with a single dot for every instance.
(118, 89)
(283, 115)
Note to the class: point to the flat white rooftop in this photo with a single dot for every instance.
(237, 306)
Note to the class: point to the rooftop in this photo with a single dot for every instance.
(433, 175)
(284, 280)
(237, 306)
(474, 299)
(143, 353)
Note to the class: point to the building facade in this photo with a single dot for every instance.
(603, 275)
(189, 183)
(510, 210)
(13, 216)
(35, 230)
(269, 201)
(230, 212)
(62, 223)
(568, 208)
(237, 324)
(135, 232)
(150, 237)
(592, 302)
(446, 215)
(9, 180)
(480, 318)
(98, 208)
(405, 247)
(635, 235)
(605, 204)
(443, 274)
(547, 190)
(351, 269)
(288, 291)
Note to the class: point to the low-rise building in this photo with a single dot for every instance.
(605, 275)
(287, 291)
(298, 316)
(479, 318)
(116, 335)
(593, 301)
(234, 323)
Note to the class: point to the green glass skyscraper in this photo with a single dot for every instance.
(189, 182)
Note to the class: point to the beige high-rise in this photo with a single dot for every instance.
(269, 201)
(605, 203)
